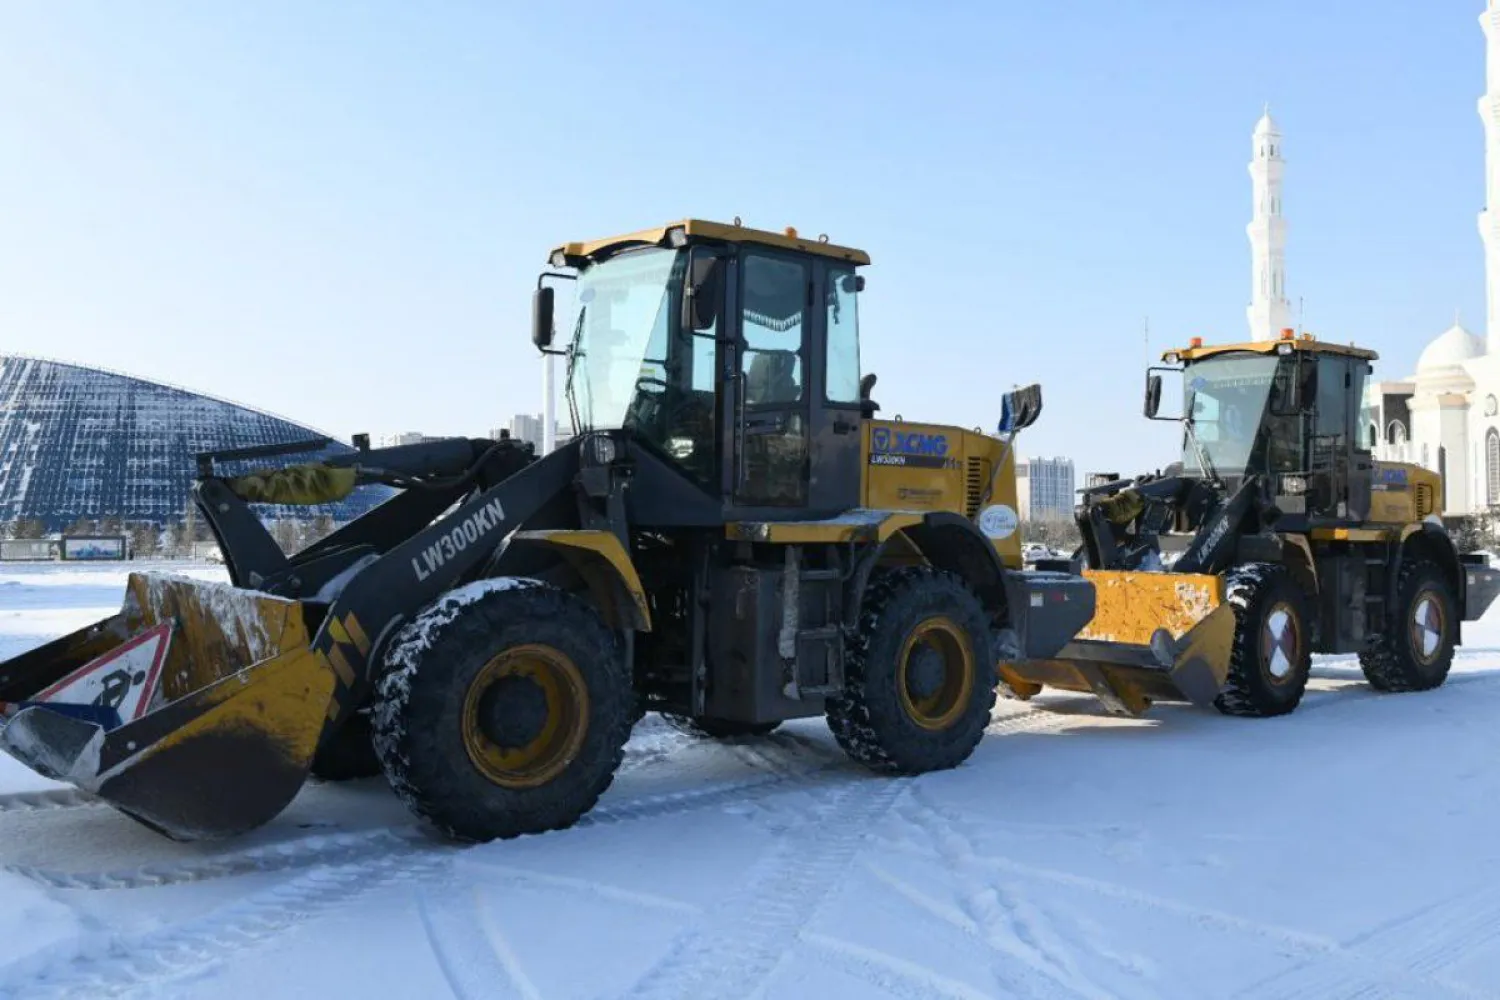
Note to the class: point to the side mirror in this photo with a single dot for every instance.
(541, 318)
(700, 293)
(1020, 408)
(852, 283)
(1153, 395)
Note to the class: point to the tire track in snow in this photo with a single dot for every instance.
(755, 928)
(1034, 719)
(301, 853)
(475, 958)
(345, 867)
(371, 845)
(895, 976)
(994, 914)
(142, 965)
(52, 798)
(1411, 952)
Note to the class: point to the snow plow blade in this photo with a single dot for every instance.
(196, 709)
(1154, 637)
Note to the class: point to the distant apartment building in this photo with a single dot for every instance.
(1044, 488)
(528, 427)
(405, 437)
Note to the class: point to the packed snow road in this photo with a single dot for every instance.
(1347, 850)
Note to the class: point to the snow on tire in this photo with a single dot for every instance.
(1271, 658)
(919, 674)
(1415, 652)
(504, 710)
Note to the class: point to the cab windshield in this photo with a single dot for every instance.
(1231, 403)
(624, 322)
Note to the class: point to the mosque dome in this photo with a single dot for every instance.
(1452, 348)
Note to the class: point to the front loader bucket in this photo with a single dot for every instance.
(196, 709)
(1153, 637)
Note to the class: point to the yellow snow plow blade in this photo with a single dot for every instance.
(1153, 637)
(196, 709)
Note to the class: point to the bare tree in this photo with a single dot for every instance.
(1052, 530)
(145, 540)
(287, 534)
(28, 528)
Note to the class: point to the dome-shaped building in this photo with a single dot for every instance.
(1444, 358)
(1425, 418)
(79, 443)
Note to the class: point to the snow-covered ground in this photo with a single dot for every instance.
(1349, 849)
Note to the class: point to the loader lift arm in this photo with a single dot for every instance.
(432, 476)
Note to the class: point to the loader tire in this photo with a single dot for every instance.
(504, 713)
(717, 729)
(350, 754)
(919, 674)
(1416, 651)
(1271, 658)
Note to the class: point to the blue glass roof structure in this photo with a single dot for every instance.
(81, 442)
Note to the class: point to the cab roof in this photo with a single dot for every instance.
(689, 229)
(1198, 351)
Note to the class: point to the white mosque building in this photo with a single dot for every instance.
(1446, 416)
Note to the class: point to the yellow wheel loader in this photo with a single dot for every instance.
(1289, 537)
(733, 539)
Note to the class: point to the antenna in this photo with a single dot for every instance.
(1299, 315)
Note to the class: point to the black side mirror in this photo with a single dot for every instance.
(1153, 395)
(700, 292)
(852, 283)
(541, 318)
(1020, 408)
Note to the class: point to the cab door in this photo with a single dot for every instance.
(772, 388)
(835, 417)
(797, 442)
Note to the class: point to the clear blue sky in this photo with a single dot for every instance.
(337, 210)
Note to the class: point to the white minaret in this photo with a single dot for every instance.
(1269, 312)
(1489, 221)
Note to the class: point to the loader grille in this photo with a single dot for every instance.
(1426, 500)
(976, 476)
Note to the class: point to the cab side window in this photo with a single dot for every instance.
(842, 374)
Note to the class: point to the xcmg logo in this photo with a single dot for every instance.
(889, 446)
(883, 439)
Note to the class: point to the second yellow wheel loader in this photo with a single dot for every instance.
(732, 540)
(1279, 519)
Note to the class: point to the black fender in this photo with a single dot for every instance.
(1431, 541)
(1043, 609)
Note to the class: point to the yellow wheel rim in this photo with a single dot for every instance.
(935, 703)
(552, 735)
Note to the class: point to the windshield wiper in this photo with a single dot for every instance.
(1205, 463)
(574, 350)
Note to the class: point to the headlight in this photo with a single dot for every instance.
(1293, 486)
(602, 448)
(680, 448)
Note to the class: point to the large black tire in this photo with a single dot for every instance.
(1271, 659)
(350, 754)
(1416, 651)
(504, 711)
(903, 711)
(717, 729)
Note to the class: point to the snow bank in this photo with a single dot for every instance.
(35, 931)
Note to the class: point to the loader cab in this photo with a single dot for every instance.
(730, 354)
(1288, 412)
